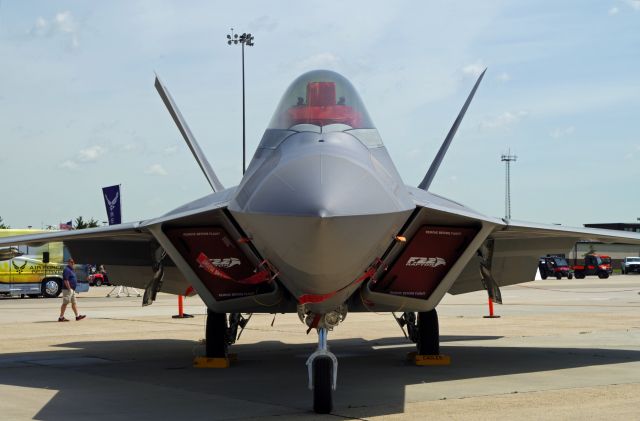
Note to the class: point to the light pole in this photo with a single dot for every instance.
(244, 39)
(507, 159)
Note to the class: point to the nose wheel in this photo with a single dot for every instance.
(323, 374)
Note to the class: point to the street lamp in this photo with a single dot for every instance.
(244, 39)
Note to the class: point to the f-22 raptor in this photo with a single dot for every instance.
(320, 225)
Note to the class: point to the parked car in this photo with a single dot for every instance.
(98, 277)
(593, 265)
(554, 266)
(631, 264)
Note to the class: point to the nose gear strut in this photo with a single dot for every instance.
(323, 374)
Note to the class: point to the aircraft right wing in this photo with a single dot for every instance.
(454, 249)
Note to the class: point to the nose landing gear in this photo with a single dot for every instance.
(323, 374)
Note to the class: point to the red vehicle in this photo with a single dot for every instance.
(554, 266)
(98, 278)
(594, 264)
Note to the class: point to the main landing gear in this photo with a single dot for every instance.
(423, 330)
(220, 333)
(428, 333)
(217, 345)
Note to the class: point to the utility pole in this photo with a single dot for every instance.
(244, 39)
(507, 159)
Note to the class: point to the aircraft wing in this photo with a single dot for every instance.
(517, 247)
(514, 247)
(470, 251)
(130, 250)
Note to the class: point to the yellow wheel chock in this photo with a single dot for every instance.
(422, 360)
(205, 362)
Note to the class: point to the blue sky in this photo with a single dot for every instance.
(562, 91)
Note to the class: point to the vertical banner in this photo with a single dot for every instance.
(112, 203)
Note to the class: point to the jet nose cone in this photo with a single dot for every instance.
(320, 181)
(316, 255)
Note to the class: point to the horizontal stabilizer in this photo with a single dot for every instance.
(188, 136)
(428, 178)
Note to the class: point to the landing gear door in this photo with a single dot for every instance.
(218, 261)
(425, 261)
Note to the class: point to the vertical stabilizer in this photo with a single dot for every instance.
(188, 136)
(428, 178)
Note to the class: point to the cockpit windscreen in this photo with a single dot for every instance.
(320, 98)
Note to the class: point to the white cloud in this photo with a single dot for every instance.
(69, 165)
(504, 120)
(613, 11)
(474, 69)
(63, 23)
(504, 77)
(91, 153)
(40, 27)
(635, 4)
(558, 133)
(155, 169)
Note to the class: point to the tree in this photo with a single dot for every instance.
(82, 224)
(3, 225)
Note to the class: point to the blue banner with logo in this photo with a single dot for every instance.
(112, 203)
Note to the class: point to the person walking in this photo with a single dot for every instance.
(69, 284)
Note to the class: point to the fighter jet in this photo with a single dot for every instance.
(320, 225)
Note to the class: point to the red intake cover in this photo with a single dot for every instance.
(223, 253)
(425, 261)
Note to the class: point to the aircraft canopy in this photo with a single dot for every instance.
(320, 98)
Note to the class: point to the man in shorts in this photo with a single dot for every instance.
(69, 284)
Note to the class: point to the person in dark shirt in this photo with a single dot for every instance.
(69, 284)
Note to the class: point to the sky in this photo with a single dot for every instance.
(78, 110)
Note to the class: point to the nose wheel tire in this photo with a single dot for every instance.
(322, 389)
(428, 333)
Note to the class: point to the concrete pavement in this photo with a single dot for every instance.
(565, 349)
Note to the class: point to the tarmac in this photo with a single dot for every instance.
(562, 349)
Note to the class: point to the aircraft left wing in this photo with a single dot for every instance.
(177, 253)
(454, 249)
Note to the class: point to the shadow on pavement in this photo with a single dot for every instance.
(153, 379)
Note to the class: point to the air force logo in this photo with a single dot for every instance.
(227, 262)
(432, 262)
(17, 268)
(112, 203)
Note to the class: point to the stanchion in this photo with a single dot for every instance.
(491, 315)
(123, 290)
(181, 314)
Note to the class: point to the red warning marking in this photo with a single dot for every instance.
(206, 264)
(318, 298)
(256, 278)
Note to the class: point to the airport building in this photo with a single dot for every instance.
(617, 252)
